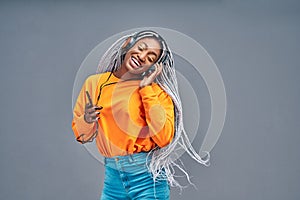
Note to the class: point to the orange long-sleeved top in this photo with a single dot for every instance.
(132, 119)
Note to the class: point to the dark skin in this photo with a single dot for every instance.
(91, 111)
(137, 60)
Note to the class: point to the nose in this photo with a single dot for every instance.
(142, 56)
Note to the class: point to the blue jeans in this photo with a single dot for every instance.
(127, 177)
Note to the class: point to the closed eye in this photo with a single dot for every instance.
(150, 59)
(140, 48)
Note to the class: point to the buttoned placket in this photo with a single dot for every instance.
(122, 172)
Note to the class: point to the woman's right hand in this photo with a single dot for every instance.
(91, 113)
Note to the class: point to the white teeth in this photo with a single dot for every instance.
(135, 61)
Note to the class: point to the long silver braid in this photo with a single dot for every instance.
(163, 160)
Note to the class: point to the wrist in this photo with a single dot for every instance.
(142, 86)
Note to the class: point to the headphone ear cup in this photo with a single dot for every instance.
(126, 46)
(128, 43)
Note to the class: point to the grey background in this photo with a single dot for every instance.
(255, 45)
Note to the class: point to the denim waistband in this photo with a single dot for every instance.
(141, 156)
(129, 163)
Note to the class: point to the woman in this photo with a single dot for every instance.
(133, 110)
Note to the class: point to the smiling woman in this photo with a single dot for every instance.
(139, 58)
(135, 116)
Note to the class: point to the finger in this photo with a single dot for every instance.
(156, 69)
(88, 106)
(90, 118)
(152, 75)
(156, 66)
(95, 119)
(94, 114)
(89, 110)
(160, 68)
(98, 107)
(89, 97)
(92, 109)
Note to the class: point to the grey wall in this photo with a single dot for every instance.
(254, 44)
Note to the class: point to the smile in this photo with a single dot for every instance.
(135, 62)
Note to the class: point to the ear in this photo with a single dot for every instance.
(127, 41)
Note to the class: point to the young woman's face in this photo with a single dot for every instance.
(142, 56)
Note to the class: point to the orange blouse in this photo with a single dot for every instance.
(132, 119)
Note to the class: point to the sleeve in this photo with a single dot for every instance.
(83, 131)
(159, 113)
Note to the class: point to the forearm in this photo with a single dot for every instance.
(83, 131)
(159, 114)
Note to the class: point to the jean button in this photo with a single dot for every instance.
(116, 159)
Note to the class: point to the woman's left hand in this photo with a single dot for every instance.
(148, 79)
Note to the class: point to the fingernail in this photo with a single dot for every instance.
(99, 108)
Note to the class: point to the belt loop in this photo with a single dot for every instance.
(131, 158)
